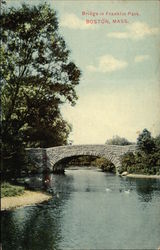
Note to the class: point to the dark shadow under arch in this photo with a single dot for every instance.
(87, 160)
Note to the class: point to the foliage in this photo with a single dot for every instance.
(37, 77)
(157, 143)
(89, 160)
(13, 165)
(84, 160)
(104, 164)
(128, 162)
(147, 158)
(8, 190)
(117, 140)
(145, 142)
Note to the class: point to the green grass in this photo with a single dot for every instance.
(8, 190)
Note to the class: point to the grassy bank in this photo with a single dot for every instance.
(16, 196)
(8, 190)
(25, 199)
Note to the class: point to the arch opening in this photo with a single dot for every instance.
(72, 162)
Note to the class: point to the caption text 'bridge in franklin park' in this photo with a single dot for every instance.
(43, 158)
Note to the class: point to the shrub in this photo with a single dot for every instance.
(8, 190)
(104, 164)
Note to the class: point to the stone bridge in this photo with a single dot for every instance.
(43, 158)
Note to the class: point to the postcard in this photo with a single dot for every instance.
(80, 94)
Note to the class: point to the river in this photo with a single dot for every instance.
(90, 209)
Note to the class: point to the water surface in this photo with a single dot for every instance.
(89, 210)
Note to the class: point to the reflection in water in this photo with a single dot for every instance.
(89, 210)
(34, 234)
(145, 188)
(39, 181)
(37, 227)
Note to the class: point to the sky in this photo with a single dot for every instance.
(119, 91)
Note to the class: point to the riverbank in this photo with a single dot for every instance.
(143, 176)
(28, 198)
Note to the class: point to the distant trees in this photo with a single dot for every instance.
(37, 77)
(117, 140)
(89, 160)
(104, 164)
(147, 158)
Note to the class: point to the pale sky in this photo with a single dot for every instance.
(119, 91)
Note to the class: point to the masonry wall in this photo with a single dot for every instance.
(43, 158)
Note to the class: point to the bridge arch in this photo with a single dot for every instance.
(111, 152)
(62, 164)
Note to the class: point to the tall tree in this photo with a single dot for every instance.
(145, 142)
(37, 78)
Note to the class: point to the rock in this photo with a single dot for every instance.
(124, 173)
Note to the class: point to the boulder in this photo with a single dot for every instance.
(124, 173)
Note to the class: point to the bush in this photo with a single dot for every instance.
(147, 159)
(128, 162)
(104, 164)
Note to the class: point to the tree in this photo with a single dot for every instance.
(145, 142)
(146, 160)
(117, 140)
(37, 78)
(157, 142)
